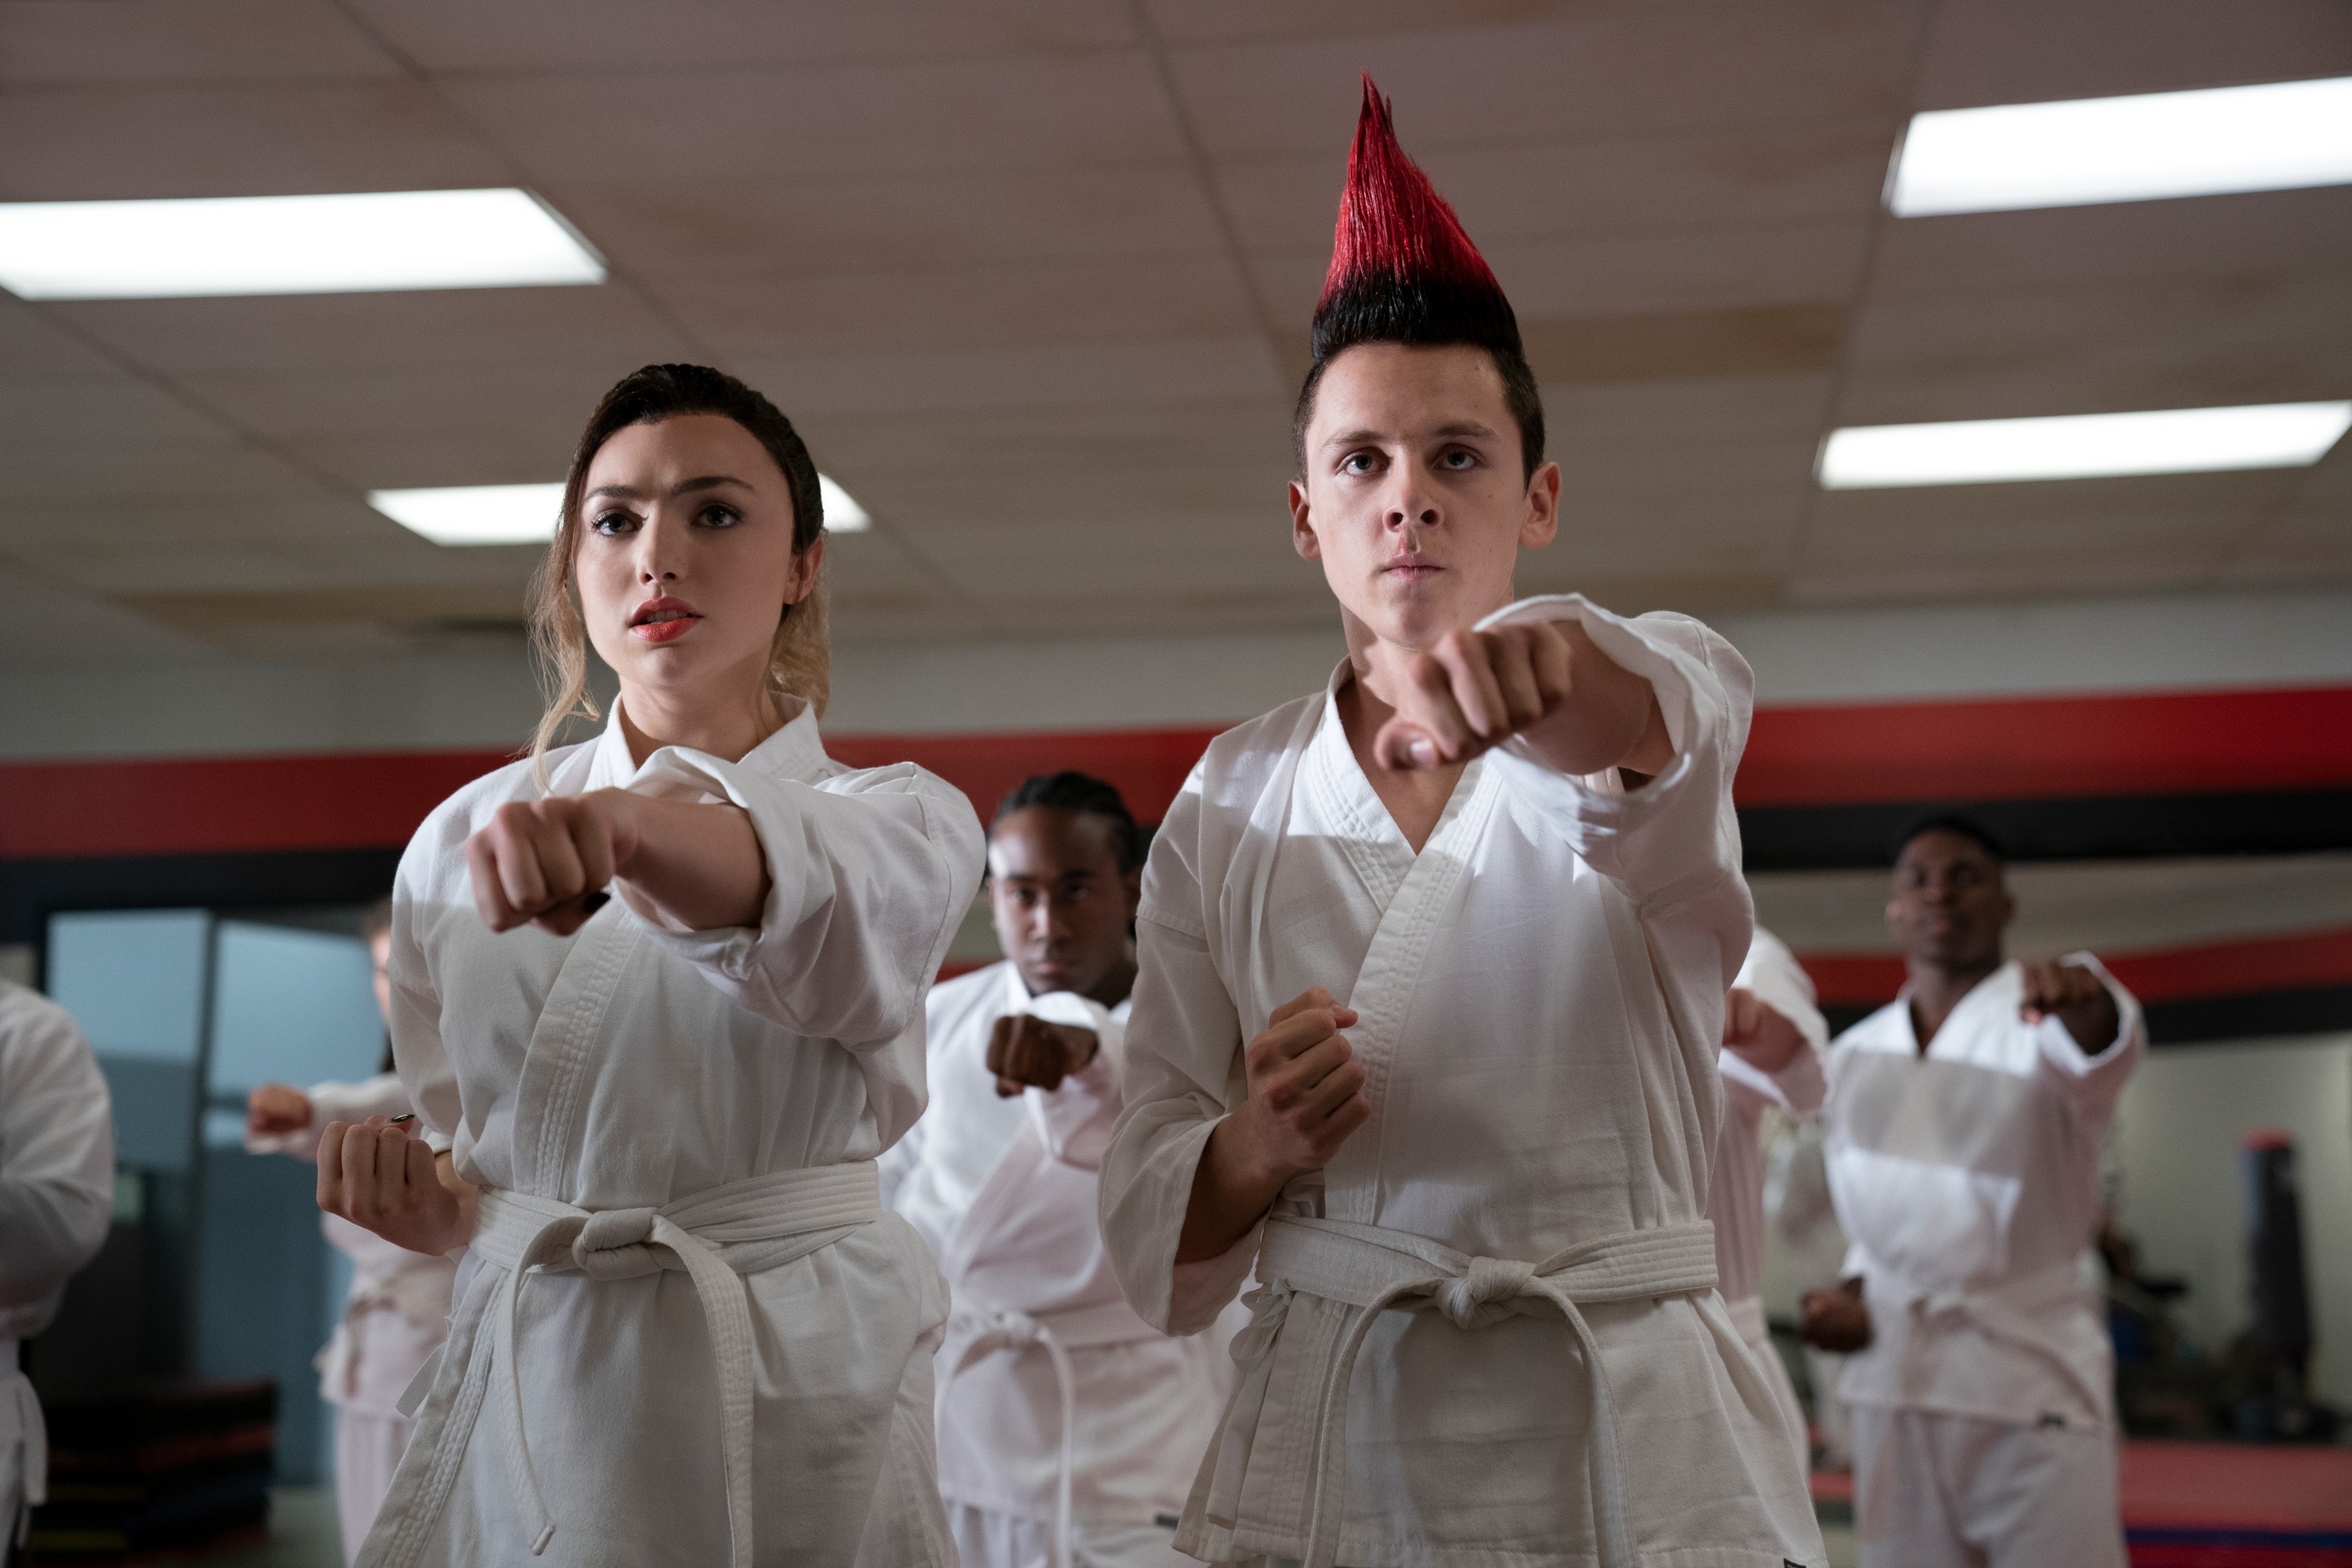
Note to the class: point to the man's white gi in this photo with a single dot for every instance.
(1969, 1181)
(395, 1317)
(1735, 1199)
(1004, 1189)
(726, 1353)
(1541, 996)
(57, 1201)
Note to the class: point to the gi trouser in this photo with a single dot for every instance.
(1954, 1491)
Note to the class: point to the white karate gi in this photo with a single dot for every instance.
(395, 1317)
(57, 1201)
(1969, 1181)
(725, 1355)
(1541, 993)
(1736, 1195)
(1003, 1190)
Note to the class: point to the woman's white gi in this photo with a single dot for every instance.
(1005, 1191)
(725, 1355)
(57, 1200)
(395, 1317)
(1736, 1195)
(1541, 993)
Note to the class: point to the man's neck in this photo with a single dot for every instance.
(1936, 989)
(1115, 985)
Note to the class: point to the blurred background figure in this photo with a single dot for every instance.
(1069, 1429)
(1964, 1125)
(56, 1197)
(397, 1312)
(1772, 1041)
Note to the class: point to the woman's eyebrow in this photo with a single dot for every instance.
(685, 486)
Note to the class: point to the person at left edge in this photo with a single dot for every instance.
(57, 1199)
(686, 1332)
(1000, 1178)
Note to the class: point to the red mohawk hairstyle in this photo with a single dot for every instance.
(1403, 271)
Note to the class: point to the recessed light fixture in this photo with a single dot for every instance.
(526, 514)
(2082, 446)
(2281, 136)
(288, 245)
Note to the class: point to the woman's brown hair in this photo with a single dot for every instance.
(799, 664)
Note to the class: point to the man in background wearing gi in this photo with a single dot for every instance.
(1964, 1126)
(1068, 1427)
(57, 1200)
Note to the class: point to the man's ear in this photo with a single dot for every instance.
(1542, 522)
(1302, 532)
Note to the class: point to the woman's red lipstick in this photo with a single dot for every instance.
(662, 620)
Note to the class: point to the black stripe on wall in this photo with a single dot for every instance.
(33, 890)
(2314, 1010)
(2110, 827)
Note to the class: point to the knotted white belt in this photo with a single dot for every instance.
(1381, 1269)
(2025, 1312)
(762, 1224)
(976, 1329)
(33, 1434)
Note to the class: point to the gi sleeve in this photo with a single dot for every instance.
(1672, 843)
(1074, 1118)
(419, 1056)
(57, 1158)
(2094, 1080)
(1183, 1073)
(869, 874)
(1781, 982)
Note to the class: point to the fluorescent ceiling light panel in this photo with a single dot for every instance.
(475, 514)
(288, 245)
(526, 514)
(2282, 136)
(2082, 446)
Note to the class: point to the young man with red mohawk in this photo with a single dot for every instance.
(1432, 978)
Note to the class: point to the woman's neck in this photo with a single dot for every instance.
(651, 719)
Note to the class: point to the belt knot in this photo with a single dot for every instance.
(618, 1244)
(1485, 1280)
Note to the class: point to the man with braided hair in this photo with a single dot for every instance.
(1433, 976)
(1068, 1427)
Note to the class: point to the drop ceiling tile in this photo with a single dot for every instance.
(1058, 375)
(1587, 186)
(51, 621)
(926, 222)
(1769, 464)
(98, 143)
(1247, 21)
(2079, 350)
(758, 312)
(50, 42)
(1603, 71)
(2266, 233)
(457, 329)
(36, 347)
(2027, 51)
(532, 36)
(836, 122)
(1683, 413)
(87, 469)
(119, 407)
(527, 406)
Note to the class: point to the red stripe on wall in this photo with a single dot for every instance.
(2024, 749)
(2010, 749)
(2308, 959)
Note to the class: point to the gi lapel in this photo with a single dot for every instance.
(1391, 976)
(556, 1066)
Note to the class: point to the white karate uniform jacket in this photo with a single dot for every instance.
(726, 1353)
(1968, 1182)
(57, 1201)
(1005, 1191)
(1541, 993)
(1736, 1195)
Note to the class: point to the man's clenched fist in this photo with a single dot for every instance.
(1757, 1034)
(2075, 996)
(1027, 1052)
(1305, 1088)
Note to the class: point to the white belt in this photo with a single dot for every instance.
(975, 1329)
(33, 1436)
(1380, 1269)
(795, 1213)
(2019, 1311)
